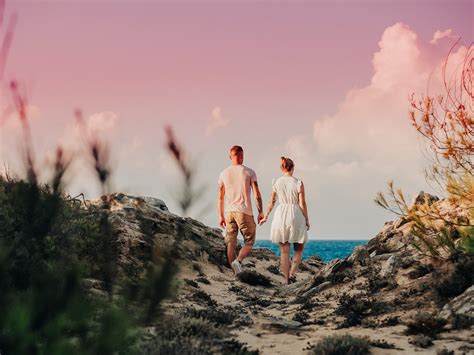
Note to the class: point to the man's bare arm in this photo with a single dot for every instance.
(220, 205)
(258, 197)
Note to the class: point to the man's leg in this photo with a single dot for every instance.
(248, 229)
(244, 252)
(231, 245)
(231, 237)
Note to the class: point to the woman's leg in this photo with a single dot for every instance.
(285, 259)
(297, 257)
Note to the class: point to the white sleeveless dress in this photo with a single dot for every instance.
(288, 224)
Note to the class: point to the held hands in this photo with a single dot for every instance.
(261, 218)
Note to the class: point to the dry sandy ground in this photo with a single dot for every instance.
(268, 337)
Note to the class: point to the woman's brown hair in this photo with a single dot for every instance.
(287, 164)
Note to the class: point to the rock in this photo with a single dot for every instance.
(400, 222)
(359, 255)
(315, 261)
(390, 266)
(311, 292)
(382, 257)
(460, 305)
(335, 265)
(141, 225)
(263, 254)
(281, 325)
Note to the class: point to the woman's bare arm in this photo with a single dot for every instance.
(271, 204)
(302, 203)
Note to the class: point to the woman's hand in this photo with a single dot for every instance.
(263, 220)
(307, 225)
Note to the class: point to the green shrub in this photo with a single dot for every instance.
(191, 336)
(48, 245)
(341, 345)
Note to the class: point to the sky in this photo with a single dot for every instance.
(326, 83)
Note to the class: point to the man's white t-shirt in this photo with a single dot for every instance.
(237, 181)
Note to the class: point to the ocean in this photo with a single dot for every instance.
(326, 249)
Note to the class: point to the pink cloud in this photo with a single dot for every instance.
(371, 123)
(438, 35)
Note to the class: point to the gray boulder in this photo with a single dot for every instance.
(461, 305)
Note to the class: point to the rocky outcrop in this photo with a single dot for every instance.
(142, 224)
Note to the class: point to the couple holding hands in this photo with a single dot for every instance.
(290, 223)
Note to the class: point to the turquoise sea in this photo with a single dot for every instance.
(326, 249)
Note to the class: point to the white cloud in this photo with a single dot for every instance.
(216, 121)
(438, 35)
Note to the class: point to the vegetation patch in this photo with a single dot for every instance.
(274, 269)
(302, 317)
(354, 308)
(458, 281)
(421, 341)
(202, 297)
(203, 280)
(341, 345)
(420, 270)
(212, 315)
(427, 324)
(254, 278)
(188, 335)
(461, 321)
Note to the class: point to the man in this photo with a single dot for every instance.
(236, 183)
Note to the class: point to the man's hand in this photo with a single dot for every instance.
(263, 220)
(222, 221)
(260, 216)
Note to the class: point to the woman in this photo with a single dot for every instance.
(290, 223)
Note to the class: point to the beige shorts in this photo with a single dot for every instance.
(236, 221)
